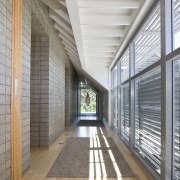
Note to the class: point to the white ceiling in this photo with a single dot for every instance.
(93, 30)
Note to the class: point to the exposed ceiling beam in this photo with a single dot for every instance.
(69, 39)
(103, 32)
(55, 5)
(99, 59)
(102, 39)
(63, 15)
(98, 55)
(98, 68)
(101, 47)
(69, 45)
(100, 50)
(98, 64)
(58, 27)
(73, 59)
(131, 4)
(59, 21)
(73, 55)
(111, 11)
(104, 19)
(62, 2)
(114, 42)
(72, 52)
(63, 26)
(73, 10)
(58, 8)
(70, 49)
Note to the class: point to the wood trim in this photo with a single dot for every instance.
(16, 159)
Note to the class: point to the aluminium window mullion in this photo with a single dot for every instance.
(119, 97)
(132, 95)
(166, 75)
(125, 111)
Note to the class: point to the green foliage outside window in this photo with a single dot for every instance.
(92, 105)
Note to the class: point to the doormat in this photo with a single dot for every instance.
(84, 157)
(97, 123)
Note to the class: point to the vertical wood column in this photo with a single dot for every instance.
(16, 163)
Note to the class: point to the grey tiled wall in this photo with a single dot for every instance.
(39, 115)
(67, 96)
(74, 95)
(52, 126)
(56, 89)
(52, 117)
(100, 105)
(71, 86)
(105, 106)
(25, 100)
(5, 88)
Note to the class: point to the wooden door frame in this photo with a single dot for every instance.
(16, 149)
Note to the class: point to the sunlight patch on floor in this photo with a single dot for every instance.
(97, 167)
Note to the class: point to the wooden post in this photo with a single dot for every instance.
(16, 162)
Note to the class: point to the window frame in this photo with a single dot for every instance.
(168, 55)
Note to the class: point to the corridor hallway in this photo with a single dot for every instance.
(43, 159)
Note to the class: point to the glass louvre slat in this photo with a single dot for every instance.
(147, 42)
(125, 66)
(125, 112)
(115, 119)
(114, 99)
(148, 118)
(176, 120)
(176, 24)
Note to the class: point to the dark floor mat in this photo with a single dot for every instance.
(97, 123)
(90, 157)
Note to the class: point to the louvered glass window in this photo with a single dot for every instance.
(148, 118)
(176, 24)
(114, 99)
(147, 42)
(176, 119)
(125, 112)
(125, 66)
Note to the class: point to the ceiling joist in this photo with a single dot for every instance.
(97, 41)
(105, 20)
(71, 40)
(100, 32)
(92, 30)
(131, 4)
(60, 22)
(69, 45)
(71, 50)
(99, 55)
